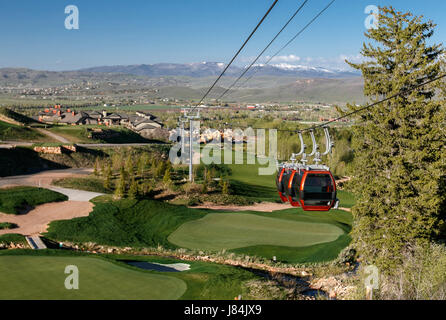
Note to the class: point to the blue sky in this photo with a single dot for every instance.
(112, 32)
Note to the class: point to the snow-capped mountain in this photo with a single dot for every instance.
(206, 69)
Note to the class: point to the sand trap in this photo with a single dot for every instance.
(36, 221)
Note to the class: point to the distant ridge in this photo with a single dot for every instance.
(273, 83)
(206, 69)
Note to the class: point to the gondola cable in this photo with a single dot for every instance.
(287, 44)
(324, 124)
(236, 55)
(263, 51)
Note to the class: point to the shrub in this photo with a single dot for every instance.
(8, 225)
(421, 276)
(15, 200)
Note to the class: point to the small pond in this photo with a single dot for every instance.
(174, 267)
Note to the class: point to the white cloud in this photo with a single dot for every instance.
(289, 58)
(333, 63)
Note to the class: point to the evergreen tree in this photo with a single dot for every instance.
(398, 146)
(167, 176)
(117, 161)
(161, 169)
(141, 164)
(95, 167)
(144, 188)
(129, 166)
(133, 189)
(108, 176)
(225, 187)
(103, 167)
(154, 166)
(120, 185)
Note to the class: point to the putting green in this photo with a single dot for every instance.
(219, 231)
(43, 278)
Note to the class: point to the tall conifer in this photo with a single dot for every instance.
(399, 146)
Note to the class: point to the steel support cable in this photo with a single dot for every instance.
(263, 51)
(236, 55)
(289, 42)
(401, 93)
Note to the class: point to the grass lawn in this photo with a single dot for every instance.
(324, 234)
(18, 199)
(205, 281)
(76, 134)
(12, 238)
(40, 275)
(14, 132)
(220, 231)
(90, 183)
(299, 236)
(79, 134)
(308, 254)
(43, 277)
(145, 223)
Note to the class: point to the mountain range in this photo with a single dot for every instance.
(207, 69)
(277, 83)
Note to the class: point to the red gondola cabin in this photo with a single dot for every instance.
(311, 189)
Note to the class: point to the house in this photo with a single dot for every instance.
(142, 122)
(145, 114)
(112, 119)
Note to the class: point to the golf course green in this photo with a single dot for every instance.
(220, 231)
(43, 278)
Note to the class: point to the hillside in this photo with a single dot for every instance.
(13, 132)
(182, 82)
(10, 116)
(206, 69)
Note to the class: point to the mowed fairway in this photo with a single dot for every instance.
(43, 278)
(219, 231)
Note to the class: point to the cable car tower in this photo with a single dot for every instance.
(185, 117)
(311, 187)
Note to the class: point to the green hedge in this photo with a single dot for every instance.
(17, 199)
(12, 238)
(7, 225)
(145, 223)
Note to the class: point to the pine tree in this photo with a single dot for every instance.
(161, 169)
(120, 186)
(399, 145)
(167, 176)
(117, 161)
(108, 176)
(95, 167)
(141, 164)
(129, 166)
(154, 166)
(225, 187)
(133, 189)
(103, 168)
